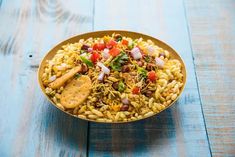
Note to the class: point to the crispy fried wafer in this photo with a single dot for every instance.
(76, 92)
(61, 80)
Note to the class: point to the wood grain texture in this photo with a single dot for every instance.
(212, 28)
(29, 125)
(178, 131)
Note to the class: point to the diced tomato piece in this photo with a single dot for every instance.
(152, 76)
(95, 57)
(99, 46)
(136, 90)
(114, 52)
(125, 42)
(111, 44)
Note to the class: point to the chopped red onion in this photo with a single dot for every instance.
(106, 54)
(125, 101)
(159, 62)
(103, 68)
(150, 50)
(90, 49)
(136, 54)
(86, 55)
(52, 78)
(101, 76)
(63, 66)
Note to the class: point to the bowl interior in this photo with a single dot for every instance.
(133, 35)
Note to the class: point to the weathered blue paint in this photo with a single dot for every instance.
(180, 130)
(29, 125)
(212, 27)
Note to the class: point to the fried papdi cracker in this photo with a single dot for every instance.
(61, 80)
(76, 92)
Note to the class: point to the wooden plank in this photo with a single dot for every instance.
(29, 125)
(212, 28)
(178, 131)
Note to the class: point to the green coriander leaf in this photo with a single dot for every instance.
(86, 61)
(142, 72)
(119, 39)
(118, 61)
(131, 46)
(82, 51)
(77, 75)
(121, 86)
(147, 59)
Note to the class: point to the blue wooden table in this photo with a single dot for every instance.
(200, 124)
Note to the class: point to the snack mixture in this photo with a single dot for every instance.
(113, 78)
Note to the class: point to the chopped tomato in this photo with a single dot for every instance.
(114, 52)
(111, 44)
(125, 42)
(152, 76)
(136, 90)
(99, 46)
(95, 57)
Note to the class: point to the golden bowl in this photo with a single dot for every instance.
(132, 35)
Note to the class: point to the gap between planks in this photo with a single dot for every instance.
(194, 66)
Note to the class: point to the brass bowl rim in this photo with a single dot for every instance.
(112, 31)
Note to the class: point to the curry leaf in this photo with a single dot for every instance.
(86, 61)
(121, 86)
(118, 61)
(142, 72)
